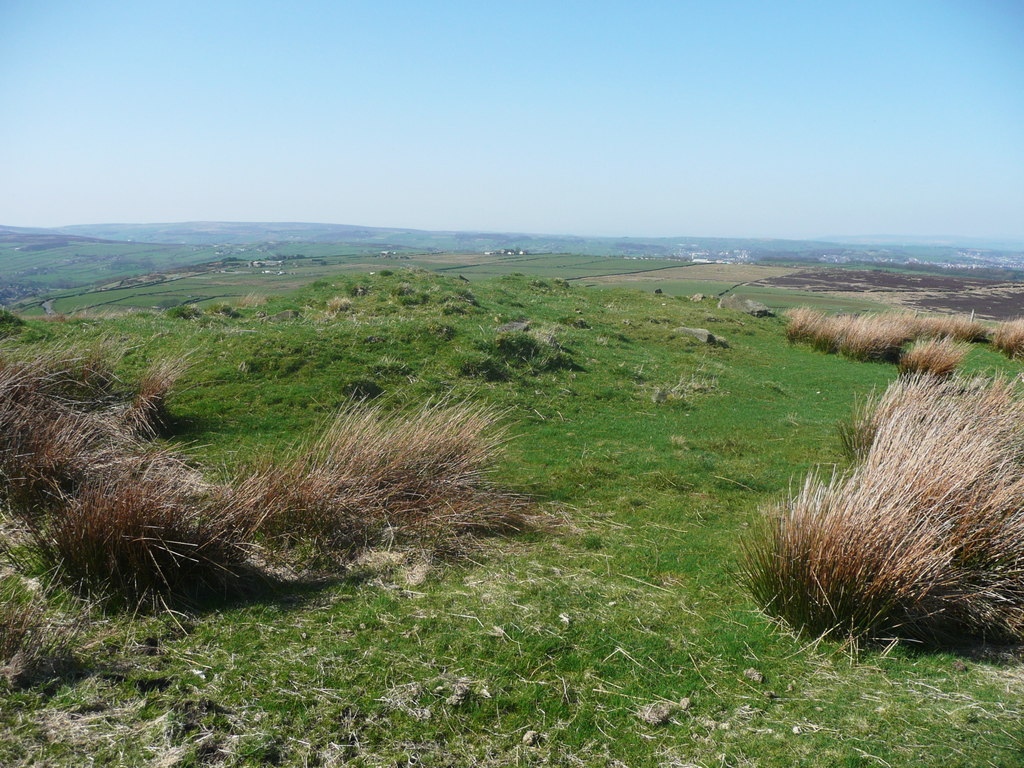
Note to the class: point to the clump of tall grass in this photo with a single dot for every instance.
(372, 478)
(860, 337)
(1008, 337)
(147, 413)
(880, 337)
(936, 357)
(958, 327)
(139, 532)
(32, 644)
(923, 539)
(96, 503)
(804, 324)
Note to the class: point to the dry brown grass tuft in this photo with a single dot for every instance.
(147, 413)
(861, 337)
(924, 539)
(878, 337)
(338, 305)
(1008, 337)
(139, 532)
(958, 327)
(936, 357)
(374, 478)
(33, 646)
(804, 324)
(252, 299)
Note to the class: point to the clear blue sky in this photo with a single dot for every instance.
(767, 118)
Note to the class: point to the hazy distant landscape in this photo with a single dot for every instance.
(164, 265)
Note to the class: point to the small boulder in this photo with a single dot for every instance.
(698, 297)
(531, 738)
(751, 307)
(658, 291)
(513, 326)
(703, 335)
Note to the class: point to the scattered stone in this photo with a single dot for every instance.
(531, 738)
(513, 326)
(751, 307)
(698, 297)
(360, 290)
(753, 675)
(771, 695)
(684, 704)
(703, 335)
(658, 291)
(288, 314)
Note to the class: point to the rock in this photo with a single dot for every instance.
(513, 326)
(531, 738)
(658, 291)
(959, 666)
(753, 675)
(751, 307)
(704, 335)
(698, 297)
(288, 314)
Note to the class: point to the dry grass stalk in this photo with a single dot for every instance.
(147, 414)
(879, 337)
(338, 305)
(252, 299)
(137, 532)
(32, 644)
(936, 357)
(1008, 337)
(958, 327)
(374, 477)
(924, 539)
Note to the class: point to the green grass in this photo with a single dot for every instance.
(633, 599)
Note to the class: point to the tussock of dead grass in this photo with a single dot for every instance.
(936, 357)
(147, 414)
(372, 478)
(33, 644)
(1008, 338)
(252, 299)
(924, 539)
(114, 515)
(881, 337)
(139, 532)
(957, 327)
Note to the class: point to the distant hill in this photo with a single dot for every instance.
(34, 261)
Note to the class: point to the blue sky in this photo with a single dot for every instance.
(661, 118)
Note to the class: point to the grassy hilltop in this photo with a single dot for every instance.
(649, 454)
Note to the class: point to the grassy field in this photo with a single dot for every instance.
(652, 454)
(220, 280)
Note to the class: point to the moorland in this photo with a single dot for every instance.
(610, 623)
